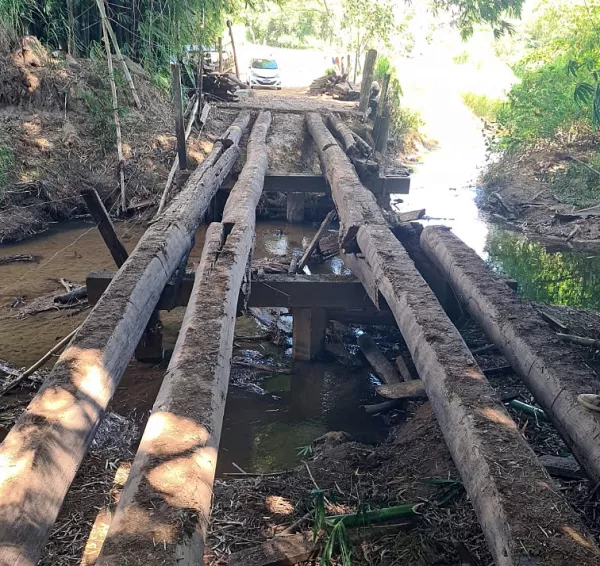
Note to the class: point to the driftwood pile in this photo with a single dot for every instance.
(221, 86)
(334, 85)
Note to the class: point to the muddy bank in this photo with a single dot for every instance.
(544, 192)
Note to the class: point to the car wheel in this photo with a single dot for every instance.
(278, 88)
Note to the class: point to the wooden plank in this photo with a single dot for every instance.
(552, 370)
(313, 243)
(367, 79)
(301, 291)
(309, 183)
(308, 333)
(382, 366)
(168, 494)
(41, 454)
(403, 369)
(105, 226)
(279, 551)
(562, 467)
(486, 445)
(413, 389)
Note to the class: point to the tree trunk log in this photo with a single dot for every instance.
(488, 449)
(367, 80)
(552, 370)
(345, 134)
(355, 205)
(175, 465)
(41, 454)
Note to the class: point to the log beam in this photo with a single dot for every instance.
(551, 369)
(309, 183)
(173, 472)
(488, 449)
(41, 454)
(295, 208)
(308, 338)
(291, 291)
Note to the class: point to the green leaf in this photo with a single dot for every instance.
(583, 93)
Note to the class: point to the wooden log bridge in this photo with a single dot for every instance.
(41, 454)
(553, 371)
(163, 512)
(493, 459)
(175, 465)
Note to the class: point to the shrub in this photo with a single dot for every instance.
(482, 106)
(406, 125)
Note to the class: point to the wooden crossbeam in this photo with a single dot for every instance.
(309, 183)
(292, 291)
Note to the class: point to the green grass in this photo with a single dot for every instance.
(482, 106)
(7, 160)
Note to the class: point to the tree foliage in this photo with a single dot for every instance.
(149, 31)
(470, 13)
(558, 96)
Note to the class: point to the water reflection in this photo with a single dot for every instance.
(263, 433)
(561, 278)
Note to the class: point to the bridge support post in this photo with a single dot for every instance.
(295, 208)
(150, 347)
(308, 332)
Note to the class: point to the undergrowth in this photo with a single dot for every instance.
(7, 159)
(406, 126)
(577, 184)
(482, 105)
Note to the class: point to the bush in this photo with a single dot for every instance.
(406, 126)
(542, 106)
(482, 106)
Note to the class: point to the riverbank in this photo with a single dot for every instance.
(550, 192)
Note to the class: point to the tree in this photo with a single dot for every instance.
(367, 24)
(494, 13)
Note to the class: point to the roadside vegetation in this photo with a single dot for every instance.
(554, 106)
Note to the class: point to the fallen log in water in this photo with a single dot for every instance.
(173, 472)
(41, 454)
(552, 371)
(18, 258)
(382, 366)
(489, 451)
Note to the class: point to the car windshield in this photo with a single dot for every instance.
(264, 64)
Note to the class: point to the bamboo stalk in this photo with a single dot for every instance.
(113, 88)
(58, 346)
(120, 57)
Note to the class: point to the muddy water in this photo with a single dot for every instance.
(260, 432)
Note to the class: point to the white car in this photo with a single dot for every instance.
(264, 73)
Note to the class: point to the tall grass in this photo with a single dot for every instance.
(7, 160)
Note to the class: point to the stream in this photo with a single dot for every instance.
(267, 431)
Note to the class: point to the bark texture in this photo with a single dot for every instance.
(552, 370)
(168, 494)
(41, 454)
